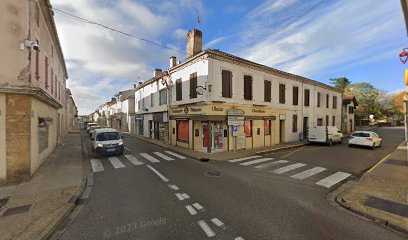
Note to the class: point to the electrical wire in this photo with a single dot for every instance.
(290, 23)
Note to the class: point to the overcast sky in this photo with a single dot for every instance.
(356, 39)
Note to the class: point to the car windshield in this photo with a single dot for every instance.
(360, 134)
(107, 136)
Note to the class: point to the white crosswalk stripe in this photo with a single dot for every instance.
(96, 165)
(288, 168)
(164, 156)
(217, 222)
(308, 173)
(243, 159)
(239, 238)
(333, 179)
(198, 206)
(256, 161)
(175, 154)
(191, 210)
(204, 226)
(150, 158)
(133, 160)
(116, 163)
(271, 164)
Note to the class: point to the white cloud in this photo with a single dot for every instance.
(214, 42)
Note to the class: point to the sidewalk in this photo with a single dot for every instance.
(33, 209)
(220, 156)
(382, 193)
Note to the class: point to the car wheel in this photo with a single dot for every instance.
(330, 142)
(373, 147)
(350, 145)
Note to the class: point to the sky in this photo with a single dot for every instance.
(359, 40)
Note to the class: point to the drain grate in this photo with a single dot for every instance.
(17, 210)
(387, 206)
(213, 173)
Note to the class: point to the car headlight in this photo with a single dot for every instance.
(120, 143)
(99, 145)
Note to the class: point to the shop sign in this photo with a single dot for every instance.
(235, 112)
(235, 118)
(282, 116)
(258, 110)
(193, 109)
(236, 122)
(179, 110)
(217, 109)
(139, 117)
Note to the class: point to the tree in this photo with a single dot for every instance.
(340, 83)
(367, 97)
(398, 102)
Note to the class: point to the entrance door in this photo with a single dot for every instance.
(205, 135)
(281, 131)
(305, 125)
(351, 126)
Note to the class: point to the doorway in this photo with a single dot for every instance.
(351, 126)
(281, 131)
(205, 135)
(305, 126)
(150, 128)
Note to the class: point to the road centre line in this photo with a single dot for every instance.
(158, 173)
(204, 226)
(191, 210)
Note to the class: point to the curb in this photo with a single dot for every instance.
(57, 223)
(280, 148)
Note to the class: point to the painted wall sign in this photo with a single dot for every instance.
(177, 110)
(258, 110)
(193, 109)
(217, 109)
(235, 112)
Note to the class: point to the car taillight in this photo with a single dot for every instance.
(369, 139)
(351, 137)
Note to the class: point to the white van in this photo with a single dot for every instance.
(324, 134)
(107, 141)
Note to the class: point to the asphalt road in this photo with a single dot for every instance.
(188, 199)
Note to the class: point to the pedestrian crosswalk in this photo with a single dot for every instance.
(300, 171)
(118, 162)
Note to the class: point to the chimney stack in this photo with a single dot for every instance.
(178, 62)
(157, 72)
(194, 42)
(173, 61)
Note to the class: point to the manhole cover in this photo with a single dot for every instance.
(213, 173)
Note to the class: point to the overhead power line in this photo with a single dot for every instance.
(290, 23)
(81, 19)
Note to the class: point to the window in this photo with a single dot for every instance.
(318, 99)
(267, 91)
(294, 123)
(282, 97)
(163, 97)
(52, 84)
(320, 122)
(37, 63)
(182, 131)
(248, 128)
(226, 84)
(327, 120)
(152, 100)
(247, 87)
(193, 85)
(179, 90)
(55, 86)
(295, 95)
(327, 100)
(351, 109)
(37, 14)
(307, 97)
(267, 127)
(333, 120)
(46, 72)
(334, 102)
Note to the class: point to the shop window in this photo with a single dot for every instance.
(248, 128)
(307, 97)
(43, 130)
(226, 84)
(182, 131)
(267, 127)
(294, 123)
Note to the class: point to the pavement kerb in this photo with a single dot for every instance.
(280, 148)
(53, 227)
(340, 201)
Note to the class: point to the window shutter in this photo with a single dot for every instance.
(229, 84)
(226, 84)
(193, 85)
(247, 87)
(295, 95)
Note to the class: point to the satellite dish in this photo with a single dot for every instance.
(200, 90)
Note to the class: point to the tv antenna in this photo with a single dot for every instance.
(198, 19)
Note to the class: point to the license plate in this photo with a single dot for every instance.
(110, 150)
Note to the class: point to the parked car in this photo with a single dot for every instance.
(92, 129)
(107, 141)
(85, 124)
(365, 138)
(88, 126)
(324, 134)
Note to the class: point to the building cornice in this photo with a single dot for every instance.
(38, 93)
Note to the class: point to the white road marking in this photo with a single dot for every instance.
(133, 160)
(128, 149)
(308, 173)
(164, 156)
(239, 238)
(191, 210)
(333, 179)
(96, 165)
(217, 222)
(198, 206)
(206, 228)
(185, 196)
(150, 158)
(256, 161)
(243, 159)
(179, 196)
(158, 174)
(175, 154)
(271, 164)
(116, 163)
(288, 168)
(174, 187)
